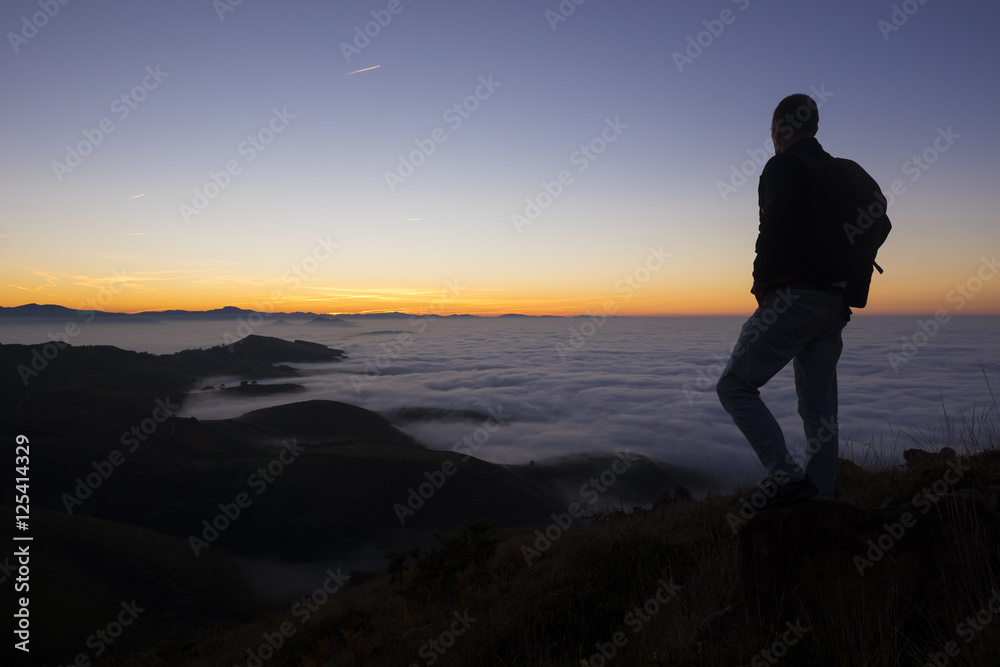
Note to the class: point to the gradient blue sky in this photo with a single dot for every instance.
(888, 96)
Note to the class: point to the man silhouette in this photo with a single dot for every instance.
(799, 318)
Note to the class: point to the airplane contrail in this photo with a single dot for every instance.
(137, 196)
(361, 70)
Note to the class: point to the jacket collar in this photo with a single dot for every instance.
(809, 146)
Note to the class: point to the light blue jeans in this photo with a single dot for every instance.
(803, 326)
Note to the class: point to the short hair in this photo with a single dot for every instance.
(797, 114)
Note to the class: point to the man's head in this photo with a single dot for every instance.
(796, 117)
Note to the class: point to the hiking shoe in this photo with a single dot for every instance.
(790, 492)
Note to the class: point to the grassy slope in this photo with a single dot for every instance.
(586, 587)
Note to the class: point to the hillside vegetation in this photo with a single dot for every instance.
(616, 589)
(303, 535)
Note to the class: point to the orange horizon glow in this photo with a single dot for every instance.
(678, 291)
(654, 303)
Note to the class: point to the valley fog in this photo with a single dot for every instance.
(559, 386)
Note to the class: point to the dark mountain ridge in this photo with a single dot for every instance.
(131, 501)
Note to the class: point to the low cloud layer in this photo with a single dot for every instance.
(562, 386)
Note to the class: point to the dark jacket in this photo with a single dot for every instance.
(822, 221)
(785, 205)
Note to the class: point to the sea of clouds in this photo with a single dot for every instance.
(573, 385)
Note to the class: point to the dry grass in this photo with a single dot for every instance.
(584, 590)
